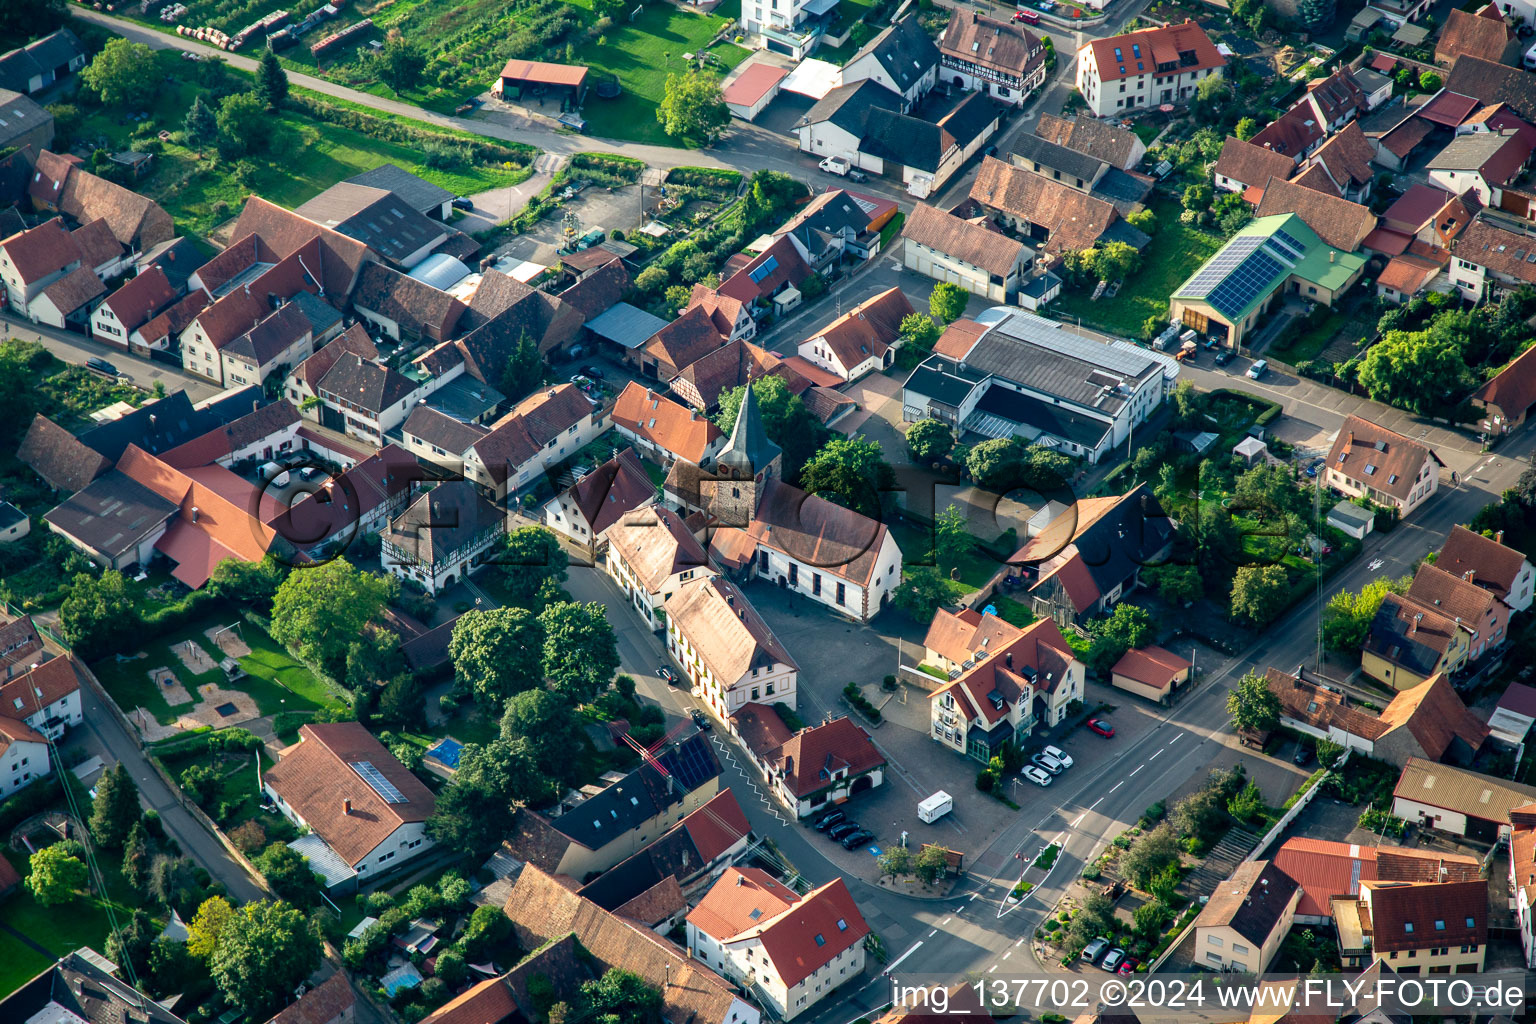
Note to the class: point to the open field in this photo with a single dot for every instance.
(305, 156)
(60, 929)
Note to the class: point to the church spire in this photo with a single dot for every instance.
(749, 451)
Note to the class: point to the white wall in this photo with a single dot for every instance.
(404, 843)
(22, 762)
(1412, 811)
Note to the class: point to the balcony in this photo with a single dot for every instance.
(797, 41)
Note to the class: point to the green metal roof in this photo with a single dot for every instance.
(1245, 272)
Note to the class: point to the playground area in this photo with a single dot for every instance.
(215, 672)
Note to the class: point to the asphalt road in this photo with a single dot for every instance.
(77, 348)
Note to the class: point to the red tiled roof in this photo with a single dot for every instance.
(959, 338)
(1325, 869)
(1152, 666)
(1489, 562)
(1407, 274)
(1405, 915)
(323, 1004)
(1448, 109)
(489, 1002)
(658, 419)
(799, 934)
(40, 251)
(1395, 459)
(35, 689)
(809, 758)
(868, 330)
(957, 636)
(718, 825)
(1415, 208)
(1160, 45)
(544, 73)
(1512, 389)
(316, 775)
(1292, 133)
(141, 298)
(753, 84)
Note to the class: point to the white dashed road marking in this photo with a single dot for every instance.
(1138, 768)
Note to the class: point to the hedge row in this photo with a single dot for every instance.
(397, 131)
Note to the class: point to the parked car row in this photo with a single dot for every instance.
(1046, 765)
(837, 825)
(1113, 960)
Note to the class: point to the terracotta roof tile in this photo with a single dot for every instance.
(141, 298)
(74, 290)
(58, 457)
(1435, 715)
(98, 246)
(869, 329)
(36, 688)
(1004, 46)
(726, 632)
(1338, 222)
(416, 306)
(323, 1004)
(661, 421)
(956, 636)
(1099, 139)
(1252, 902)
(690, 337)
(136, 221)
(316, 775)
(807, 761)
(814, 531)
(799, 934)
(655, 544)
(1162, 44)
(1407, 915)
(1152, 666)
(1325, 869)
(1292, 134)
(490, 1002)
(41, 251)
(1492, 564)
(1400, 864)
(1074, 220)
(1383, 459)
(1252, 164)
(1473, 35)
(612, 490)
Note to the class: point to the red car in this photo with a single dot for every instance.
(1127, 966)
(1101, 726)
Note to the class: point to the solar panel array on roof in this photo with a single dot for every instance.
(1222, 264)
(767, 267)
(1244, 283)
(379, 783)
(690, 762)
(1291, 242)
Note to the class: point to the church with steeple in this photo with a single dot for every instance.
(757, 525)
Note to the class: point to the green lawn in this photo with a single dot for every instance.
(274, 680)
(642, 53)
(1174, 253)
(1013, 612)
(239, 797)
(304, 157)
(60, 929)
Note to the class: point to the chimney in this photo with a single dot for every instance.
(975, 17)
(195, 511)
(255, 404)
(740, 880)
(1498, 538)
(1008, 659)
(1470, 576)
(346, 805)
(1331, 255)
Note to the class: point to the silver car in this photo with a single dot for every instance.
(1039, 776)
(1049, 763)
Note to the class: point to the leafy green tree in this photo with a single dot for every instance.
(271, 80)
(1348, 614)
(581, 651)
(136, 856)
(1260, 593)
(57, 874)
(1252, 705)
(451, 967)
(996, 464)
(1316, 15)
(786, 420)
(952, 539)
(692, 108)
(619, 997)
(399, 64)
(1415, 371)
(173, 885)
(98, 613)
(532, 563)
(1175, 584)
(372, 657)
(1246, 128)
(207, 927)
(122, 74)
(921, 592)
(851, 472)
(31, 20)
(524, 371)
(202, 783)
(1248, 804)
(201, 124)
(947, 302)
(1143, 220)
(244, 126)
(1217, 544)
(400, 700)
(320, 611)
(497, 653)
(929, 440)
(920, 331)
(652, 279)
(1127, 627)
(678, 297)
(289, 875)
(548, 726)
(116, 807)
(265, 951)
(131, 945)
(249, 584)
(474, 811)
(1149, 856)
(1197, 197)
(931, 864)
(1114, 260)
(894, 861)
